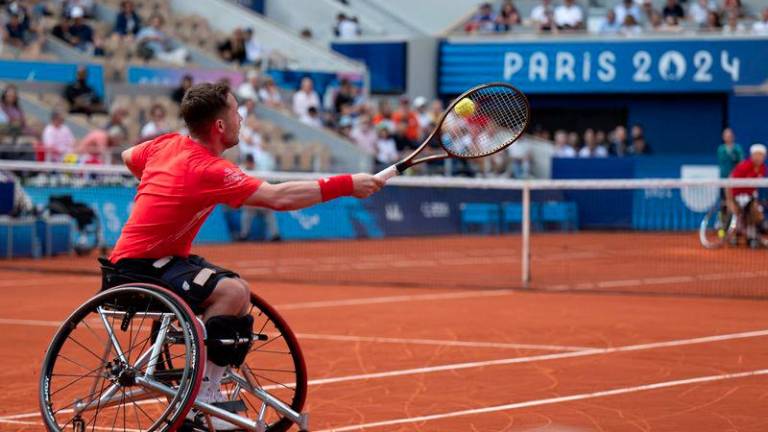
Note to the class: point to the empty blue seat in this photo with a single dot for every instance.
(480, 217)
(512, 216)
(563, 213)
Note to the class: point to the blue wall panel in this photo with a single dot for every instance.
(386, 61)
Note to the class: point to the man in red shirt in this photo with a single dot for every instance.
(182, 179)
(743, 200)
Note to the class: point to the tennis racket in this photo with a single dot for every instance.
(482, 121)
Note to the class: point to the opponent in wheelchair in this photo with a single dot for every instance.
(744, 202)
(172, 341)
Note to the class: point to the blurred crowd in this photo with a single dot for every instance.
(595, 143)
(626, 17)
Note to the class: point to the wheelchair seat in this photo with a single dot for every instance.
(112, 277)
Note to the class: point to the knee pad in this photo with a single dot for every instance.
(229, 339)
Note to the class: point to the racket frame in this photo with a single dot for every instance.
(398, 167)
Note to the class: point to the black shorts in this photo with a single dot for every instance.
(192, 278)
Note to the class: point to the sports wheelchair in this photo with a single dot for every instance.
(720, 226)
(133, 358)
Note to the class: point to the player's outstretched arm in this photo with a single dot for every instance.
(296, 195)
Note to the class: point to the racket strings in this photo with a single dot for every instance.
(498, 117)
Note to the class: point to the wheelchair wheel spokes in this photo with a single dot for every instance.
(94, 369)
(274, 372)
(717, 228)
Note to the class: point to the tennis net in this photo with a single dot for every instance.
(620, 236)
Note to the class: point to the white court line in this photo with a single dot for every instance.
(372, 339)
(513, 360)
(555, 400)
(395, 299)
(544, 357)
(440, 342)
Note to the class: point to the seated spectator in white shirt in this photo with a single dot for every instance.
(569, 16)
(733, 26)
(610, 25)
(255, 52)
(627, 7)
(364, 135)
(312, 118)
(58, 140)
(591, 147)
(562, 148)
(542, 16)
(270, 95)
(305, 98)
(698, 11)
(386, 149)
(247, 109)
(250, 88)
(157, 125)
(761, 27)
(346, 27)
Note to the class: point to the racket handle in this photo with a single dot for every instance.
(387, 173)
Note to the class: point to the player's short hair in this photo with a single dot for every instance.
(202, 104)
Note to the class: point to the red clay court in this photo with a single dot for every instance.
(434, 334)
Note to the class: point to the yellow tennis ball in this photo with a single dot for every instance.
(464, 108)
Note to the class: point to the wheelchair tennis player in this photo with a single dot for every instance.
(182, 179)
(744, 201)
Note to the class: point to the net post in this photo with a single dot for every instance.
(526, 235)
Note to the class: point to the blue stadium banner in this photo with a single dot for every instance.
(64, 73)
(606, 66)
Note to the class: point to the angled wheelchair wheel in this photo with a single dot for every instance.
(717, 228)
(130, 358)
(273, 376)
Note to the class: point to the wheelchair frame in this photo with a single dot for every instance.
(150, 385)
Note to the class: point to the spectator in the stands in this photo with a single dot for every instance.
(699, 10)
(81, 34)
(178, 93)
(255, 52)
(127, 22)
(57, 140)
(346, 95)
(270, 95)
(304, 99)
(157, 125)
(422, 114)
(618, 141)
(82, 97)
(733, 26)
(16, 34)
(733, 7)
(760, 27)
(435, 111)
(713, 22)
(592, 147)
(405, 115)
(312, 118)
(252, 144)
(569, 16)
(93, 148)
(85, 5)
(508, 17)
(346, 27)
(384, 115)
(386, 149)
(484, 21)
(627, 7)
(562, 148)
(403, 142)
(116, 127)
(306, 34)
(249, 89)
(9, 105)
(610, 25)
(247, 109)
(673, 9)
(233, 48)
(153, 42)
(639, 147)
(364, 135)
(630, 26)
(542, 16)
